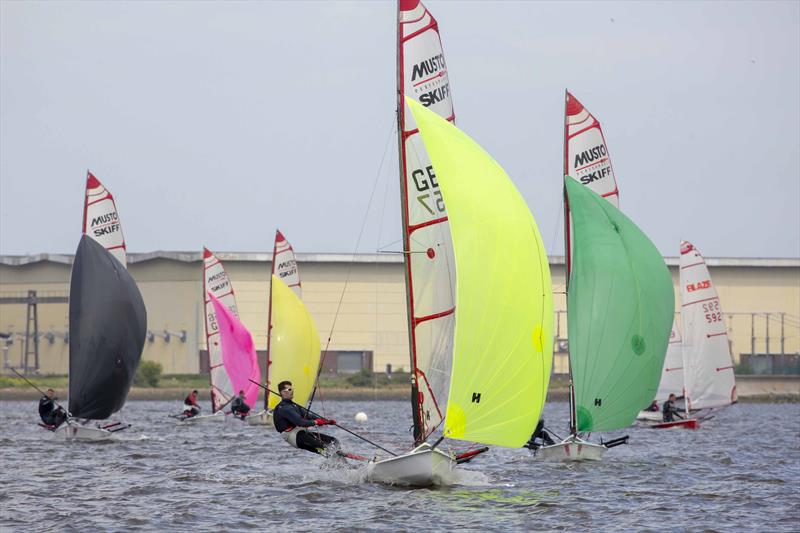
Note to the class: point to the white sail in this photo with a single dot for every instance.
(672, 374)
(708, 369)
(430, 268)
(215, 281)
(284, 264)
(101, 220)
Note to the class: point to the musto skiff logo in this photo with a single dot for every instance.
(105, 224)
(429, 79)
(592, 164)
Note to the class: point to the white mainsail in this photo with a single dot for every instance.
(101, 220)
(672, 374)
(708, 369)
(428, 251)
(215, 281)
(284, 264)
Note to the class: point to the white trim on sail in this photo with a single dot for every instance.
(215, 281)
(430, 267)
(710, 380)
(672, 373)
(101, 220)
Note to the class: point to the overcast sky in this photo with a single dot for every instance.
(214, 123)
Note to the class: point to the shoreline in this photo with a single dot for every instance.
(339, 394)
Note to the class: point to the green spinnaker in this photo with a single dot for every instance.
(503, 346)
(620, 306)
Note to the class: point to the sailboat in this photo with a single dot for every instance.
(107, 322)
(671, 375)
(502, 347)
(217, 284)
(619, 310)
(293, 346)
(708, 377)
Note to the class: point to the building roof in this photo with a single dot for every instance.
(264, 257)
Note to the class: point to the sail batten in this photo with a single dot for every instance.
(502, 352)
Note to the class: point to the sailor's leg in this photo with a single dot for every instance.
(312, 442)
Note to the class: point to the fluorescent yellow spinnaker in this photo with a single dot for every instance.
(294, 352)
(503, 348)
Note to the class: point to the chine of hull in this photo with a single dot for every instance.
(73, 431)
(572, 449)
(262, 418)
(421, 467)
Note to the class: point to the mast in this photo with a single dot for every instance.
(269, 323)
(415, 407)
(573, 424)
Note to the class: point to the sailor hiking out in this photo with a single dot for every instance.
(239, 407)
(292, 422)
(52, 414)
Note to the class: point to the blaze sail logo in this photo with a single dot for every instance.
(705, 284)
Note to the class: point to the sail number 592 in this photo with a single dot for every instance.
(712, 311)
(425, 182)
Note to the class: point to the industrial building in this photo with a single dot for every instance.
(358, 304)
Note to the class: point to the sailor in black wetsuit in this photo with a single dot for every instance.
(539, 438)
(291, 422)
(50, 413)
(239, 407)
(669, 410)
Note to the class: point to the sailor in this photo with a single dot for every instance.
(669, 410)
(239, 407)
(51, 413)
(539, 438)
(190, 406)
(653, 407)
(292, 421)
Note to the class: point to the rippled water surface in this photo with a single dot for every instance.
(739, 471)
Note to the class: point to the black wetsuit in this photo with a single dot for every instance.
(49, 413)
(669, 410)
(539, 434)
(239, 407)
(288, 415)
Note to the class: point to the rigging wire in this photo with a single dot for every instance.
(355, 252)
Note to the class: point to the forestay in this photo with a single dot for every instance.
(620, 307)
(238, 353)
(710, 380)
(672, 373)
(295, 346)
(216, 282)
(503, 348)
(430, 274)
(101, 220)
(107, 328)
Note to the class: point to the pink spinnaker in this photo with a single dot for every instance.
(238, 353)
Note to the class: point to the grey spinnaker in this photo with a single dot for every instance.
(107, 328)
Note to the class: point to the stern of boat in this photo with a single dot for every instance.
(572, 449)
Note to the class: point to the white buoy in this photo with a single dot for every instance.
(361, 417)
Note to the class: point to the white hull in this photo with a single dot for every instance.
(650, 416)
(219, 416)
(73, 431)
(421, 467)
(572, 449)
(262, 418)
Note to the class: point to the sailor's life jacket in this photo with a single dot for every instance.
(288, 415)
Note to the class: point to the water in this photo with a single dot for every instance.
(739, 471)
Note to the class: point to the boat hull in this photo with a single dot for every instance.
(650, 416)
(219, 416)
(421, 467)
(689, 423)
(572, 449)
(72, 431)
(262, 418)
